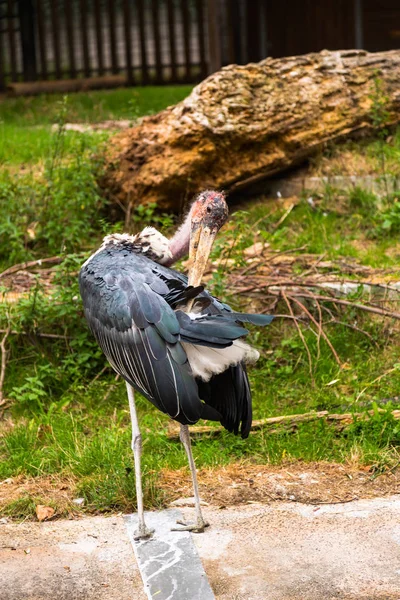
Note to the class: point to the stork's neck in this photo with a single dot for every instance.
(179, 243)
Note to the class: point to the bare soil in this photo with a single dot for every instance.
(239, 483)
(309, 483)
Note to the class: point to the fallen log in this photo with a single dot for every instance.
(245, 123)
(286, 420)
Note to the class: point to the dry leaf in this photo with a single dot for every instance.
(44, 512)
(255, 250)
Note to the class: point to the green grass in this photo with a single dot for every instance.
(26, 136)
(91, 107)
(65, 423)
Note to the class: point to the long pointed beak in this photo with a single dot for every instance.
(201, 240)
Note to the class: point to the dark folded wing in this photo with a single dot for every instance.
(139, 333)
(128, 308)
(132, 307)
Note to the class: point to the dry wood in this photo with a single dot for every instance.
(53, 336)
(288, 420)
(292, 315)
(248, 122)
(3, 364)
(55, 260)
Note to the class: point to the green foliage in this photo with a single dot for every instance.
(94, 106)
(71, 418)
(390, 217)
(380, 115)
(53, 212)
(58, 362)
(147, 214)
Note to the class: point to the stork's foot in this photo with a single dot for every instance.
(197, 527)
(143, 533)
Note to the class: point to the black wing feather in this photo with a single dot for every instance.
(131, 307)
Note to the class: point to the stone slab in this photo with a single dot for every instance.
(169, 562)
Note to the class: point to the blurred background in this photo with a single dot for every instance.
(118, 42)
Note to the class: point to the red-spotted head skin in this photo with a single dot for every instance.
(208, 213)
(210, 209)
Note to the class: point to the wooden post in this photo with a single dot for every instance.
(99, 37)
(11, 39)
(234, 27)
(42, 39)
(186, 37)
(253, 27)
(157, 40)
(55, 29)
(214, 38)
(171, 36)
(70, 38)
(113, 39)
(128, 42)
(142, 36)
(2, 78)
(84, 38)
(27, 31)
(202, 38)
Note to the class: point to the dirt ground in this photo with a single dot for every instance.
(312, 483)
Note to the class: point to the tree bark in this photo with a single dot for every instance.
(245, 123)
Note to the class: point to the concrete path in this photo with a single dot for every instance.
(280, 551)
(293, 551)
(90, 559)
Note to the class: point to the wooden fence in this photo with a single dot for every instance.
(128, 42)
(142, 41)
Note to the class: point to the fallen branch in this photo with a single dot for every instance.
(54, 336)
(288, 420)
(320, 330)
(366, 307)
(111, 388)
(3, 365)
(310, 365)
(55, 260)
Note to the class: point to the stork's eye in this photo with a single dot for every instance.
(208, 209)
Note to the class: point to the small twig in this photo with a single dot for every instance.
(3, 365)
(284, 217)
(348, 418)
(111, 388)
(376, 381)
(54, 336)
(32, 263)
(96, 377)
(334, 321)
(334, 501)
(365, 307)
(310, 365)
(290, 251)
(320, 329)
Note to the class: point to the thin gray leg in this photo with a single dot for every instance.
(200, 523)
(143, 531)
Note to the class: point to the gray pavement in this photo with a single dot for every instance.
(279, 551)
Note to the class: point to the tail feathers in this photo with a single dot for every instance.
(229, 395)
(209, 329)
(206, 362)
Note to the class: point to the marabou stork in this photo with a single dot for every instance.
(166, 336)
